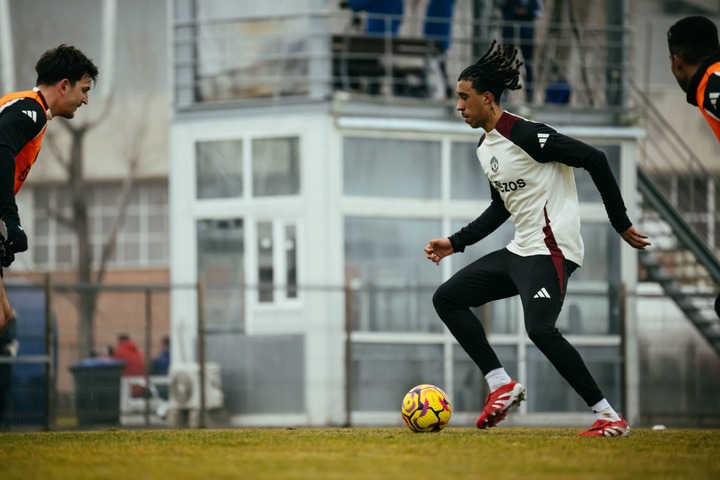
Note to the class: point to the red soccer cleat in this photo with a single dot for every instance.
(607, 428)
(499, 403)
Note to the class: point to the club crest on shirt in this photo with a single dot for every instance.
(494, 164)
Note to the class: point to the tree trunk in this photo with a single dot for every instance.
(87, 294)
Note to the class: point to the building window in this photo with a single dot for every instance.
(395, 285)
(276, 166)
(219, 169)
(375, 167)
(277, 261)
(141, 241)
(221, 257)
(273, 165)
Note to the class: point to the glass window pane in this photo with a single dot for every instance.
(587, 191)
(131, 224)
(291, 260)
(42, 226)
(157, 195)
(276, 166)
(694, 193)
(469, 387)
(265, 261)
(156, 252)
(585, 314)
(263, 374)
(467, 179)
(63, 254)
(549, 392)
(158, 223)
(219, 166)
(220, 264)
(131, 252)
(382, 374)
(385, 256)
(391, 168)
(598, 238)
(41, 254)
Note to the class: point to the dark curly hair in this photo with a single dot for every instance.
(495, 71)
(694, 38)
(64, 62)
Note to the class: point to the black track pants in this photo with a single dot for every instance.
(540, 281)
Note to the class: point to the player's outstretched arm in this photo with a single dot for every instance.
(437, 249)
(635, 239)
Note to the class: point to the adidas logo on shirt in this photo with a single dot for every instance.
(32, 114)
(542, 293)
(542, 138)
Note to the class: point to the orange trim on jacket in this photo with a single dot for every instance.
(27, 155)
(714, 122)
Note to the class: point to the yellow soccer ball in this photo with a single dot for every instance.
(426, 408)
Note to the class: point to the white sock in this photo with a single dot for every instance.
(603, 411)
(497, 378)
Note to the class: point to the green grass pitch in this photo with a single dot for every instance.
(359, 453)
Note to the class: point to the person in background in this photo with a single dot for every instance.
(530, 169)
(383, 19)
(161, 367)
(519, 30)
(695, 63)
(383, 15)
(161, 363)
(64, 78)
(438, 28)
(129, 352)
(559, 90)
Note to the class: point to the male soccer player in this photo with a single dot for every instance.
(64, 78)
(695, 63)
(528, 165)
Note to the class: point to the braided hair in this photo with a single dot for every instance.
(495, 71)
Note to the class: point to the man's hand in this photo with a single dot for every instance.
(635, 239)
(16, 240)
(437, 249)
(6, 257)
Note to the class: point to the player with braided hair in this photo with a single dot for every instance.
(530, 169)
(496, 71)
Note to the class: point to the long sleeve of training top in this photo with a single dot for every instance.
(574, 153)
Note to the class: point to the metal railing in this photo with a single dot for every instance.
(679, 212)
(310, 56)
(265, 377)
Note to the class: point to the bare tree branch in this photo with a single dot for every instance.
(64, 220)
(111, 240)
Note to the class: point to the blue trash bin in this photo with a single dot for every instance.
(97, 391)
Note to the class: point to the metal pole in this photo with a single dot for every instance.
(201, 349)
(148, 352)
(50, 350)
(622, 307)
(348, 354)
(7, 48)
